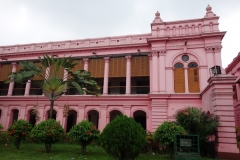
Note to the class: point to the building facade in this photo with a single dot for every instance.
(149, 77)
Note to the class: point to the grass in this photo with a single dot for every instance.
(62, 152)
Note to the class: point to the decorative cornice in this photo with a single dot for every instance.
(154, 53)
(211, 49)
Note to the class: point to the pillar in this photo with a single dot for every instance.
(102, 117)
(128, 75)
(186, 79)
(162, 71)
(210, 57)
(11, 84)
(154, 72)
(217, 54)
(85, 64)
(203, 72)
(222, 106)
(127, 110)
(150, 71)
(106, 74)
(80, 113)
(27, 88)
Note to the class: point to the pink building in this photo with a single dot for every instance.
(147, 76)
(234, 69)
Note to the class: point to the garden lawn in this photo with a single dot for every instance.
(62, 152)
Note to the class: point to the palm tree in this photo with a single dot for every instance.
(51, 79)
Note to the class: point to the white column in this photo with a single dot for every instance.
(162, 69)
(11, 84)
(154, 72)
(106, 74)
(186, 79)
(27, 88)
(85, 64)
(128, 75)
(150, 71)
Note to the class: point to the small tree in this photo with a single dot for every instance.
(49, 132)
(1, 127)
(18, 130)
(123, 138)
(84, 133)
(198, 122)
(165, 134)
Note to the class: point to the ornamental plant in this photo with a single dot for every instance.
(49, 132)
(204, 124)
(84, 133)
(165, 134)
(1, 127)
(18, 130)
(123, 138)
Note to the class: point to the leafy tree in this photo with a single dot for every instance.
(165, 134)
(123, 138)
(84, 133)
(198, 122)
(18, 130)
(49, 132)
(51, 79)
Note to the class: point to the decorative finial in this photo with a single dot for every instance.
(157, 14)
(209, 8)
(209, 12)
(157, 18)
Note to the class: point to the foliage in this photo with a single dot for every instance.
(63, 152)
(165, 133)
(56, 83)
(151, 144)
(200, 123)
(1, 127)
(49, 132)
(84, 133)
(5, 138)
(18, 130)
(123, 138)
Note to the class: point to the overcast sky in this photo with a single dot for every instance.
(28, 21)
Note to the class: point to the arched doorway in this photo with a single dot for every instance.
(140, 117)
(93, 116)
(114, 114)
(54, 114)
(31, 117)
(179, 79)
(14, 115)
(193, 78)
(71, 119)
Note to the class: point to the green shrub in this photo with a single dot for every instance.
(200, 123)
(49, 132)
(1, 127)
(165, 134)
(5, 138)
(123, 138)
(84, 133)
(18, 130)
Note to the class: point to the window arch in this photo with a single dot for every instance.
(193, 78)
(179, 80)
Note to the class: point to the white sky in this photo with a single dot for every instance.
(28, 21)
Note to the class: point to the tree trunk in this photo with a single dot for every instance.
(51, 106)
(48, 147)
(84, 147)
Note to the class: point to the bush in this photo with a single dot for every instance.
(18, 130)
(200, 123)
(49, 132)
(1, 127)
(5, 138)
(165, 134)
(123, 138)
(84, 133)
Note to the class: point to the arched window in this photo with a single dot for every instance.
(179, 80)
(193, 78)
